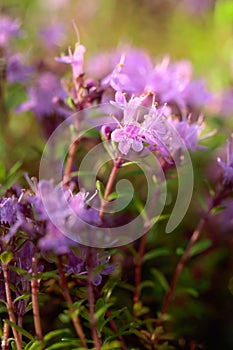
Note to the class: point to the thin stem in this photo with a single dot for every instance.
(66, 293)
(69, 162)
(91, 302)
(181, 264)
(35, 301)
(10, 306)
(110, 184)
(5, 337)
(115, 330)
(138, 267)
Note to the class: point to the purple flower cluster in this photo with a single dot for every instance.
(152, 128)
(135, 73)
(45, 216)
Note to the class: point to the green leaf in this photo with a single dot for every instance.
(108, 287)
(179, 251)
(218, 209)
(112, 196)
(34, 345)
(101, 308)
(47, 275)
(156, 253)
(100, 188)
(114, 314)
(62, 345)
(113, 345)
(116, 335)
(200, 247)
(2, 172)
(14, 168)
(19, 329)
(6, 257)
(20, 271)
(21, 297)
(139, 309)
(187, 290)
(56, 333)
(161, 279)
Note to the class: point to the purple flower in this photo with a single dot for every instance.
(9, 28)
(171, 82)
(64, 214)
(75, 264)
(17, 71)
(45, 89)
(55, 241)
(132, 72)
(79, 205)
(189, 132)
(136, 134)
(228, 165)
(7, 210)
(74, 59)
(128, 135)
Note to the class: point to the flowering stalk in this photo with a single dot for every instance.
(10, 306)
(35, 302)
(68, 299)
(91, 302)
(110, 184)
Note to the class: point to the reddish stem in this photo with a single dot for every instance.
(5, 337)
(110, 184)
(91, 301)
(10, 306)
(69, 162)
(35, 301)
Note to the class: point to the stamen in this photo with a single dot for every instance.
(93, 196)
(32, 182)
(76, 31)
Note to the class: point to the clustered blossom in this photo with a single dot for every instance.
(47, 216)
(136, 73)
(152, 128)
